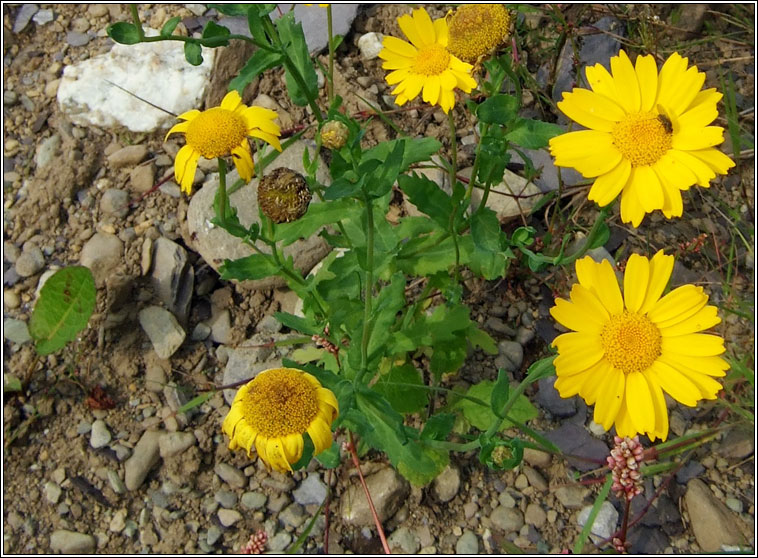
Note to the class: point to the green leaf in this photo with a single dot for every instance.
(297, 323)
(428, 197)
(500, 393)
(255, 24)
(485, 230)
(480, 338)
(307, 455)
(196, 401)
(404, 398)
(494, 156)
(498, 109)
(414, 151)
(123, 33)
(438, 427)
(482, 417)
(11, 383)
(380, 179)
(259, 62)
(586, 530)
(254, 266)
(330, 458)
(318, 215)
(63, 309)
(193, 52)
(343, 188)
(291, 34)
(215, 35)
(533, 134)
(234, 10)
(390, 302)
(169, 26)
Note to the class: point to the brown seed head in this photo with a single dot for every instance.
(283, 195)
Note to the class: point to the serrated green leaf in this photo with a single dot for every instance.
(428, 197)
(123, 33)
(532, 134)
(482, 417)
(498, 109)
(259, 62)
(193, 52)
(414, 151)
(438, 427)
(500, 393)
(330, 458)
(169, 26)
(291, 34)
(63, 309)
(297, 323)
(404, 398)
(485, 230)
(480, 338)
(254, 266)
(343, 188)
(318, 215)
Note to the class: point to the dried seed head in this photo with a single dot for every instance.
(334, 134)
(283, 195)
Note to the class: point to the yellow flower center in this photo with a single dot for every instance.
(642, 138)
(477, 29)
(631, 342)
(215, 132)
(431, 60)
(280, 403)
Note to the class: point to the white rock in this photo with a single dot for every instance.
(157, 72)
(370, 45)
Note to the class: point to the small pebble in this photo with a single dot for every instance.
(228, 517)
(100, 436)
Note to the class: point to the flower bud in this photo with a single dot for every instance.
(283, 195)
(334, 134)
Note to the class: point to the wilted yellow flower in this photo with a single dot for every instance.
(424, 63)
(648, 134)
(477, 29)
(274, 410)
(222, 131)
(626, 351)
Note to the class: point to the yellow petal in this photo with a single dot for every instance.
(674, 171)
(566, 314)
(669, 80)
(705, 318)
(441, 31)
(647, 77)
(610, 397)
(636, 279)
(424, 26)
(601, 81)
(703, 173)
(631, 209)
(698, 138)
(694, 344)
(661, 429)
(698, 116)
(189, 115)
(715, 159)
(640, 402)
(707, 96)
(243, 160)
(185, 166)
(408, 26)
(707, 386)
(590, 109)
(687, 88)
(588, 305)
(708, 365)
(321, 435)
(648, 188)
(674, 383)
(600, 278)
(177, 128)
(399, 46)
(292, 447)
(607, 186)
(627, 86)
(231, 101)
(624, 426)
(271, 139)
(576, 352)
(432, 90)
(679, 304)
(661, 267)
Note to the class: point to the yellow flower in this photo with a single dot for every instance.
(424, 63)
(625, 352)
(477, 29)
(648, 134)
(274, 410)
(222, 131)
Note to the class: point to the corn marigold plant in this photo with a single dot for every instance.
(425, 63)
(648, 134)
(220, 132)
(625, 351)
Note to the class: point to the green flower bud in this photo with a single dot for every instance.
(334, 134)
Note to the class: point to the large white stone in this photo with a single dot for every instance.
(157, 72)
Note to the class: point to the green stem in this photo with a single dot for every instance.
(453, 179)
(368, 297)
(330, 82)
(137, 22)
(475, 168)
(222, 189)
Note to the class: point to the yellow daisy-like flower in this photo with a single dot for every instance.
(274, 410)
(424, 63)
(222, 131)
(648, 134)
(477, 29)
(626, 351)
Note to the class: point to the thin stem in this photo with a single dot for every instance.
(222, 187)
(368, 296)
(477, 159)
(453, 173)
(330, 81)
(357, 463)
(137, 22)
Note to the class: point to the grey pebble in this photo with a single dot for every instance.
(200, 332)
(122, 452)
(174, 443)
(52, 492)
(467, 544)
(574, 439)
(499, 326)
(146, 455)
(226, 498)
(99, 436)
(447, 483)
(16, 331)
(228, 517)
(254, 500)
(510, 356)
(734, 504)
(506, 500)
(30, 261)
(27, 103)
(163, 329)
(101, 254)
(310, 491)
(213, 535)
(10, 98)
(159, 499)
(127, 156)
(507, 519)
(46, 151)
(116, 483)
(43, 17)
(115, 202)
(605, 522)
(131, 528)
(84, 427)
(404, 539)
(230, 475)
(524, 335)
(279, 542)
(691, 470)
(24, 16)
(64, 541)
(269, 324)
(75, 39)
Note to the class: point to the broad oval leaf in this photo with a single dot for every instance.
(124, 33)
(499, 109)
(63, 309)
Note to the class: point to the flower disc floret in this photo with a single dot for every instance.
(648, 134)
(215, 132)
(424, 66)
(478, 29)
(625, 351)
(274, 410)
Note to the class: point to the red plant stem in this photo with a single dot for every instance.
(326, 510)
(357, 463)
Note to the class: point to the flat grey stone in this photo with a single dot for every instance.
(46, 150)
(226, 498)
(605, 521)
(574, 439)
(279, 542)
(164, 331)
(228, 517)
(52, 492)
(549, 399)
(128, 156)
(231, 475)
(510, 356)
(405, 540)
(292, 516)
(24, 16)
(214, 534)
(115, 202)
(174, 443)
(713, 524)
(76, 39)
(102, 254)
(255, 500)
(146, 455)
(447, 483)
(388, 491)
(16, 331)
(310, 491)
(507, 520)
(467, 544)
(99, 436)
(64, 541)
(31, 260)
